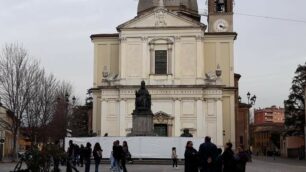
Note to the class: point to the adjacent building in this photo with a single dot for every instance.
(267, 128)
(188, 68)
(6, 135)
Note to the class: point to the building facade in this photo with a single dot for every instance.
(188, 68)
(6, 136)
(267, 129)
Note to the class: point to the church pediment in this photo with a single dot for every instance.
(160, 17)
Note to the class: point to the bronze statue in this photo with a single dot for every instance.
(143, 99)
(186, 133)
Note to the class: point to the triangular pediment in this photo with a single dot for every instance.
(159, 18)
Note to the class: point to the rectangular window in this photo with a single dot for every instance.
(161, 62)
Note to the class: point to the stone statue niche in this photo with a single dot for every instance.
(142, 115)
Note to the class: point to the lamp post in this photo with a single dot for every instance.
(251, 102)
(67, 111)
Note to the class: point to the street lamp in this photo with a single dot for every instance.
(251, 100)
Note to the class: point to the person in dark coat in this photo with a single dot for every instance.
(97, 154)
(191, 158)
(119, 156)
(87, 156)
(71, 152)
(82, 149)
(219, 162)
(241, 159)
(229, 164)
(208, 156)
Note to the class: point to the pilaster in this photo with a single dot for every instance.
(177, 118)
(122, 115)
(104, 110)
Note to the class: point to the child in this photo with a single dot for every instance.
(174, 157)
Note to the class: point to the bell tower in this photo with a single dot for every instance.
(220, 15)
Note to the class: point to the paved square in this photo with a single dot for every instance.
(258, 165)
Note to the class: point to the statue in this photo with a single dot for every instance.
(143, 99)
(186, 133)
(142, 115)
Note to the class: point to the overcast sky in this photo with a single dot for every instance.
(57, 32)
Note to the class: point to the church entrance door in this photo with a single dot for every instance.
(161, 129)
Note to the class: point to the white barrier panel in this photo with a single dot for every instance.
(141, 147)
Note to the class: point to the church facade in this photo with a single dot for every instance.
(188, 68)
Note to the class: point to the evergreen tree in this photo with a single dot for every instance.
(295, 105)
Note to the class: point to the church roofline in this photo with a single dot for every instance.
(161, 86)
(110, 35)
(200, 25)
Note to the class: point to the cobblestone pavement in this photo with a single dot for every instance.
(258, 165)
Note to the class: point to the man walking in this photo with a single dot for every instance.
(208, 153)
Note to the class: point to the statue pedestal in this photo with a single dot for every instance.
(142, 124)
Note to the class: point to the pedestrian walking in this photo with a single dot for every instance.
(241, 159)
(174, 157)
(97, 154)
(112, 159)
(191, 158)
(208, 155)
(70, 157)
(118, 156)
(229, 164)
(82, 149)
(126, 151)
(87, 156)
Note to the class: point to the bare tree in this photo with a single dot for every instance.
(19, 75)
(41, 109)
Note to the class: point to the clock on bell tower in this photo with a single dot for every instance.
(220, 15)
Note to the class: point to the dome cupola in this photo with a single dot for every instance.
(186, 7)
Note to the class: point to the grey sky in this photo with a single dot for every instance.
(57, 32)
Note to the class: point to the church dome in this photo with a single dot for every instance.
(189, 7)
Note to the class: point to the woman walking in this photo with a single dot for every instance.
(126, 151)
(241, 159)
(191, 158)
(97, 154)
(174, 157)
(87, 156)
(228, 158)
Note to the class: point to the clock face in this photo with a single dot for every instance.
(221, 25)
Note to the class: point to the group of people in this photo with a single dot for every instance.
(77, 156)
(211, 159)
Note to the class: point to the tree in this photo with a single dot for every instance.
(19, 75)
(295, 105)
(41, 109)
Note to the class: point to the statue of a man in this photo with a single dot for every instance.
(186, 133)
(143, 98)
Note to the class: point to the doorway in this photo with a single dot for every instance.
(161, 130)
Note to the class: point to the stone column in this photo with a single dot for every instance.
(200, 58)
(122, 57)
(177, 118)
(152, 60)
(169, 59)
(219, 122)
(176, 61)
(95, 113)
(145, 70)
(122, 116)
(104, 110)
(200, 118)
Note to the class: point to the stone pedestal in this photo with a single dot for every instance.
(142, 124)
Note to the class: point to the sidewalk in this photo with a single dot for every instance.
(282, 160)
